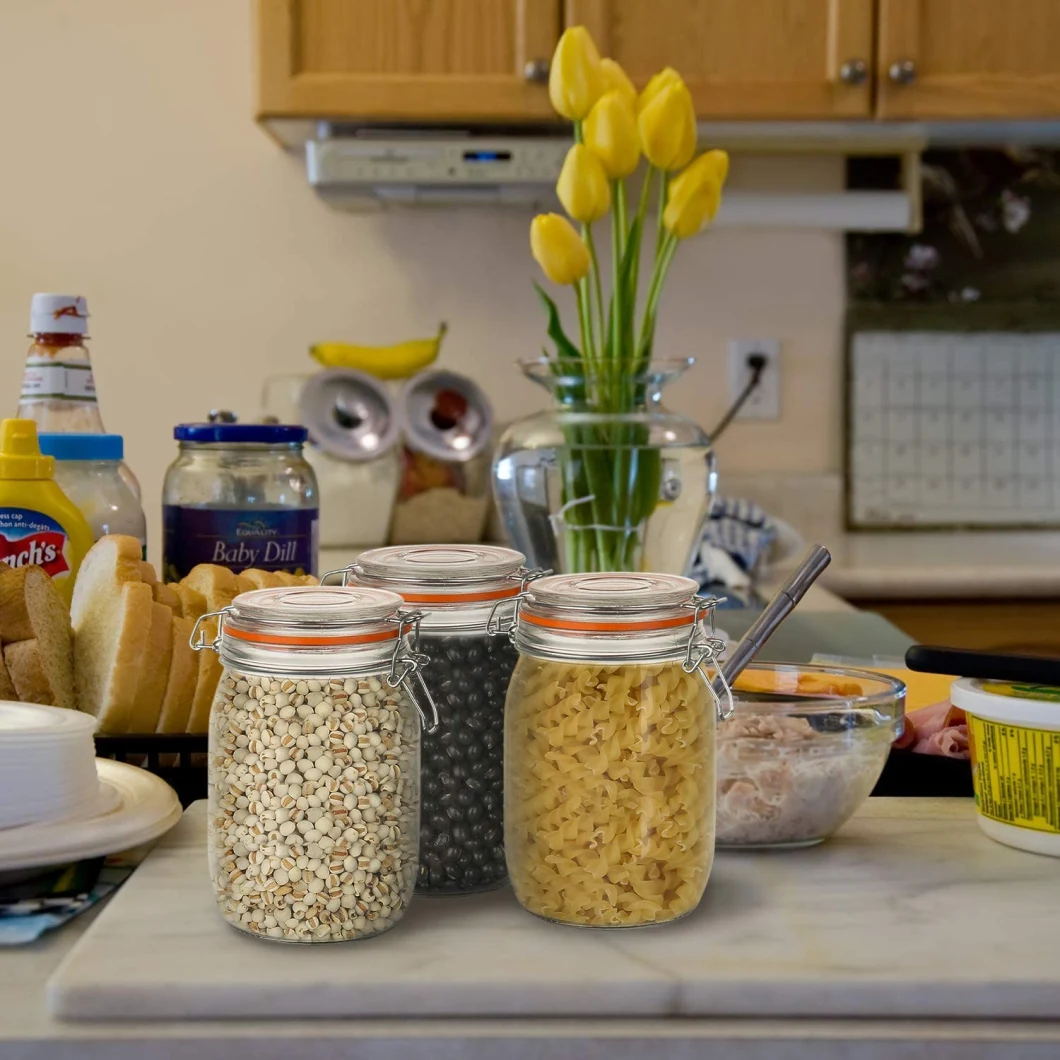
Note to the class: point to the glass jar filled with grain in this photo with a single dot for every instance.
(314, 754)
(610, 730)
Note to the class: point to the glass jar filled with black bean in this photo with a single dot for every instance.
(457, 587)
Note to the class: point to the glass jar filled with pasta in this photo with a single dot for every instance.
(609, 749)
(314, 754)
(457, 588)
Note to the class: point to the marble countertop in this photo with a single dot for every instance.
(944, 907)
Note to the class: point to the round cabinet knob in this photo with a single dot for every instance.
(853, 72)
(902, 72)
(536, 71)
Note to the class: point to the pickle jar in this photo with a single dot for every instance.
(314, 752)
(456, 588)
(609, 751)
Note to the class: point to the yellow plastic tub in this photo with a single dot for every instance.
(1014, 733)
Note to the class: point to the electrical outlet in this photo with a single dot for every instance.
(764, 402)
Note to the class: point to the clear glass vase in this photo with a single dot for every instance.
(608, 479)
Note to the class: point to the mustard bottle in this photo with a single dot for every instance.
(39, 524)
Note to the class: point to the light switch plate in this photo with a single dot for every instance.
(764, 402)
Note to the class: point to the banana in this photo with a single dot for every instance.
(384, 362)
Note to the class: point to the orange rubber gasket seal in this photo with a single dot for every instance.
(461, 598)
(608, 627)
(311, 642)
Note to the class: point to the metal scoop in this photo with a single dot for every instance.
(782, 604)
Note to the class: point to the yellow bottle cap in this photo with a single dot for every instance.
(20, 455)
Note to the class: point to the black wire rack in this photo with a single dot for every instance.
(180, 759)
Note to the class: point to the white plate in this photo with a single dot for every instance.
(148, 807)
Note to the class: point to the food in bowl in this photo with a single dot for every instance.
(803, 749)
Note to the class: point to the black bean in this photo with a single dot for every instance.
(462, 764)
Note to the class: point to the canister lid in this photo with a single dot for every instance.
(426, 574)
(349, 414)
(250, 433)
(446, 416)
(610, 592)
(312, 616)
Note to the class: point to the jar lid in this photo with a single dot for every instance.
(309, 616)
(445, 415)
(249, 433)
(349, 414)
(426, 574)
(74, 445)
(613, 592)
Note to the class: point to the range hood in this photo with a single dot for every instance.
(365, 168)
(445, 169)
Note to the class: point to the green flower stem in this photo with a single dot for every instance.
(664, 198)
(579, 135)
(617, 233)
(587, 235)
(581, 296)
(618, 196)
(663, 259)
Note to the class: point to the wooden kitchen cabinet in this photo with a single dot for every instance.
(1031, 627)
(766, 59)
(406, 60)
(968, 59)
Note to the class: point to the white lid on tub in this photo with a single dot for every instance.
(988, 699)
(58, 314)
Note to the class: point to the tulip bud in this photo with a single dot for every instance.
(611, 135)
(558, 249)
(582, 186)
(617, 80)
(695, 195)
(575, 81)
(661, 80)
(668, 127)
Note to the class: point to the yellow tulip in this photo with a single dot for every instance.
(617, 80)
(558, 249)
(582, 186)
(611, 135)
(663, 79)
(575, 81)
(668, 127)
(695, 195)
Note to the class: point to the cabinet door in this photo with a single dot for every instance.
(412, 60)
(969, 58)
(766, 59)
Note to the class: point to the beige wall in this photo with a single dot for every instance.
(132, 173)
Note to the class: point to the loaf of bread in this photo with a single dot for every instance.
(180, 681)
(112, 612)
(35, 623)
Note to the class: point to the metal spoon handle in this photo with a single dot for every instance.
(782, 604)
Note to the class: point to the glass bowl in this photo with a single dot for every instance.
(802, 751)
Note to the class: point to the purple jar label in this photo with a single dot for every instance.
(276, 539)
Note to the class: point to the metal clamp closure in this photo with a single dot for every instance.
(346, 571)
(408, 662)
(198, 640)
(494, 626)
(700, 650)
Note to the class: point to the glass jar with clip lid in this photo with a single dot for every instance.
(458, 589)
(610, 730)
(314, 753)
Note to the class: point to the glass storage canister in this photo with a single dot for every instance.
(609, 753)
(314, 753)
(240, 495)
(456, 588)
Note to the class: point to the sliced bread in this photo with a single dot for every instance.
(147, 573)
(181, 681)
(7, 686)
(154, 673)
(112, 613)
(219, 586)
(262, 579)
(32, 609)
(36, 677)
(164, 594)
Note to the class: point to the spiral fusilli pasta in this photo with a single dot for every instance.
(610, 790)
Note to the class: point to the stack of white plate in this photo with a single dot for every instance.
(58, 803)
